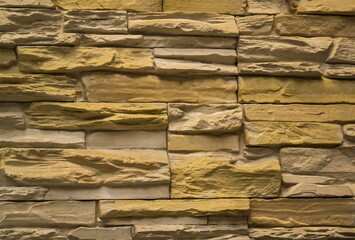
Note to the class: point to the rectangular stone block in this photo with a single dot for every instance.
(349, 131)
(39, 87)
(204, 118)
(116, 233)
(339, 71)
(108, 87)
(178, 23)
(11, 116)
(127, 139)
(41, 139)
(32, 233)
(292, 133)
(338, 113)
(267, 7)
(98, 116)
(302, 212)
(315, 25)
(345, 7)
(132, 5)
(12, 193)
(27, 3)
(214, 176)
(80, 59)
(233, 7)
(47, 214)
(255, 24)
(342, 51)
(157, 221)
(7, 59)
(293, 90)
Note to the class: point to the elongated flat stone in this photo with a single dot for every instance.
(84, 167)
(22, 193)
(340, 113)
(27, 3)
(133, 5)
(32, 233)
(302, 212)
(68, 60)
(108, 87)
(158, 221)
(267, 7)
(293, 90)
(41, 139)
(39, 87)
(342, 7)
(217, 177)
(47, 214)
(182, 24)
(116, 233)
(11, 116)
(342, 51)
(97, 116)
(315, 25)
(233, 7)
(255, 24)
(176, 208)
(204, 118)
(291, 133)
(349, 131)
(339, 71)
(86, 21)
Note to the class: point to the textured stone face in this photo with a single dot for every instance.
(97, 116)
(233, 7)
(27, 3)
(32, 233)
(290, 133)
(302, 212)
(67, 60)
(217, 177)
(349, 131)
(345, 7)
(267, 7)
(7, 58)
(183, 24)
(11, 116)
(342, 51)
(22, 193)
(106, 87)
(255, 24)
(116, 233)
(339, 71)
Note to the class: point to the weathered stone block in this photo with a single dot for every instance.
(339, 71)
(27, 3)
(267, 7)
(32, 233)
(157, 221)
(12, 193)
(7, 58)
(342, 51)
(349, 131)
(116, 233)
(255, 24)
(11, 116)
(345, 7)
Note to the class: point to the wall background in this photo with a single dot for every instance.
(182, 119)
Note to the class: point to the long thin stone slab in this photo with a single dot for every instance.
(339, 71)
(27, 3)
(340, 7)
(11, 116)
(12, 193)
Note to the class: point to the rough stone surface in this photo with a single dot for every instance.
(339, 71)
(216, 177)
(117, 233)
(27, 3)
(7, 58)
(302, 212)
(313, 25)
(349, 131)
(157, 221)
(41, 139)
(293, 90)
(291, 133)
(106, 87)
(342, 51)
(22, 193)
(267, 7)
(182, 24)
(204, 118)
(39, 87)
(339, 113)
(255, 24)
(97, 116)
(233, 7)
(32, 233)
(11, 116)
(345, 7)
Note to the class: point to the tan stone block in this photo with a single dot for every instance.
(32, 233)
(116, 233)
(292, 133)
(108, 87)
(177, 23)
(345, 7)
(66, 59)
(217, 177)
(342, 51)
(233, 7)
(158, 221)
(27, 3)
(339, 71)
(97, 116)
(7, 58)
(349, 131)
(267, 7)
(255, 24)
(302, 212)
(11, 116)
(293, 90)
(242, 221)
(22, 193)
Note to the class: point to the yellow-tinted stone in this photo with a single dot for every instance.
(346, 7)
(292, 133)
(234, 7)
(78, 59)
(294, 90)
(97, 116)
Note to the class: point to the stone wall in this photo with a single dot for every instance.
(181, 119)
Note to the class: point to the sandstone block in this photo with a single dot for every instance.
(32, 233)
(177, 23)
(255, 24)
(79, 59)
(27, 3)
(116, 233)
(228, 220)
(11, 116)
(291, 133)
(217, 177)
(267, 7)
(204, 118)
(339, 71)
(22, 193)
(293, 90)
(7, 58)
(302, 212)
(349, 131)
(108, 87)
(157, 221)
(342, 51)
(345, 7)
(97, 116)
(233, 7)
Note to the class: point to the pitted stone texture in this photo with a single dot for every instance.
(338, 113)
(267, 7)
(116, 233)
(204, 118)
(97, 116)
(255, 24)
(211, 176)
(341, 7)
(22, 193)
(302, 212)
(32, 233)
(39, 87)
(67, 60)
(203, 24)
(27, 3)
(342, 51)
(233, 7)
(293, 90)
(87, 168)
(349, 131)
(108, 87)
(11, 116)
(315, 25)
(292, 133)
(7, 58)
(339, 71)
(157, 221)
(132, 5)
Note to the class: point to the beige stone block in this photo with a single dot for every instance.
(267, 7)
(22, 193)
(339, 71)
(340, 7)
(11, 116)
(255, 24)
(27, 3)
(349, 131)
(116, 233)
(342, 51)
(97, 116)
(7, 58)
(242, 221)
(292, 134)
(19, 233)
(158, 221)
